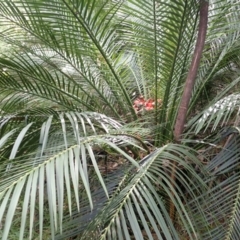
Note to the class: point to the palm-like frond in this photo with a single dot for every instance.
(223, 194)
(73, 60)
(221, 51)
(105, 77)
(55, 170)
(217, 114)
(136, 198)
(162, 50)
(77, 73)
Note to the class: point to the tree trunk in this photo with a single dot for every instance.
(188, 88)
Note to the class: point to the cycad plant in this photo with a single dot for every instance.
(91, 99)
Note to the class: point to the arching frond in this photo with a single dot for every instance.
(61, 168)
(144, 195)
(76, 157)
(221, 55)
(223, 194)
(217, 114)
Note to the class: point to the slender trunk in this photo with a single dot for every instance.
(189, 84)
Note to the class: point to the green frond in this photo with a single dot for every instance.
(77, 159)
(57, 169)
(162, 40)
(220, 57)
(67, 64)
(217, 114)
(220, 201)
(143, 195)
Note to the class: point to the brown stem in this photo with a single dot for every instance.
(182, 112)
(173, 178)
(188, 89)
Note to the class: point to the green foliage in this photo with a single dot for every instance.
(76, 160)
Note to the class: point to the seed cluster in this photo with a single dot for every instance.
(141, 104)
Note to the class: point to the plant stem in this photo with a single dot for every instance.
(188, 88)
(189, 84)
